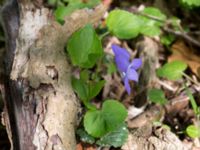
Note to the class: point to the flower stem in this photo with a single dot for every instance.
(104, 34)
(192, 101)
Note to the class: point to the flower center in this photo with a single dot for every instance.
(123, 74)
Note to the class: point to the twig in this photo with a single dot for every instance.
(167, 86)
(189, 78)
(183, 35)
(166, 29)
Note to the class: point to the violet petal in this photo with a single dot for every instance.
(136, 63)
(121, 58)
(132, 74)
(122, 64)
(119, 51)
(127, 85)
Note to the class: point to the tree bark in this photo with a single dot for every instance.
(40, 106)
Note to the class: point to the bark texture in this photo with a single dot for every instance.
(43, 108)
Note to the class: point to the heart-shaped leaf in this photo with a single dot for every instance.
(157, 96)
(84, 47)
(123, 24)
(99, 122)
(172, 70)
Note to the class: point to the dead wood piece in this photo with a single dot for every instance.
(148, 51)
(147, 138)
(154, 113)
(45, 106)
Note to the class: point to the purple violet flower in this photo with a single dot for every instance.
(126, 68)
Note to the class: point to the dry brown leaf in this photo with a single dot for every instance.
(90, 148)
(79, 146)
(182, 52)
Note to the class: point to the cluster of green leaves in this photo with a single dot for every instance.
(86, 90)
(175, 71)
(102, 124)
(191, 3)
(126, 25)
(106, 125)
(172, 71)
(66, 7)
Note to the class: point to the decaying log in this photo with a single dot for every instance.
(39, 99)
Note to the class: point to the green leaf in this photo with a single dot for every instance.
(154, 12)
(63, 11)
(92, 3)
(192, 3)
(115, 138)
(87, 90)
(150, 26)
(52, 2)
(150, 29)
(84, 75)
(172, 70)
(98, 123)
(80, 88)
(73, 5)
(192, 100)
(157, 96)
(123, 24)
(84, 47)
(95, 88)
(85, 137)
(126, 25)
(167, 39)
(176, 23)
(193, 131)
(111, 68)
(88, 3)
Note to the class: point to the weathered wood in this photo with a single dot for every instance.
(149, 138)
(43, 107)
(148, 51)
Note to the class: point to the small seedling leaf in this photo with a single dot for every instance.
(193, 131)
(157, 96)
(172, 70)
